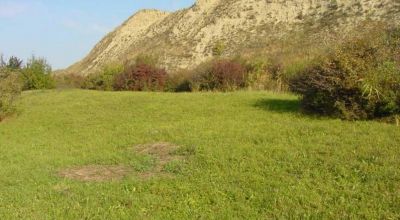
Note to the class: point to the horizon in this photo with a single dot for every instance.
(65, 32)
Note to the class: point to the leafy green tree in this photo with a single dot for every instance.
(37, 74)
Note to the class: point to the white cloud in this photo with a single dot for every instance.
(12, 9)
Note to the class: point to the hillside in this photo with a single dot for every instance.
(187, 37)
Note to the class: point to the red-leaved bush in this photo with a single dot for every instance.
(141, 77)
(223, 75)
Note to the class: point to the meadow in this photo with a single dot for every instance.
(242, 155)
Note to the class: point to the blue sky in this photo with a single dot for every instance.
(64, 31)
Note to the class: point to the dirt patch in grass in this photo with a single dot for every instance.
(163, 153)
(96, 173)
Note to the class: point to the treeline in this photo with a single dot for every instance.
(36, 73)
(144, 74)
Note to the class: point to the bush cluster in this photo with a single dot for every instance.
(180, 81)
(10, 88)
(264, 74)
(103, 80)
(37, 74)
(359, 80)
(140, 77)
(229, 75)
(219, 75)
(15, 77)
(145, 75)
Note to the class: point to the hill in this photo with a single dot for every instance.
(187, 37)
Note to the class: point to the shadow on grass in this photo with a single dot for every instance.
(279, 105)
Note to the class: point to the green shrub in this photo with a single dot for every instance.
(360, 80)
(104, 79)
(179, 82)
(10, 88)
(37, 74)
(264, 74)
(258, 77)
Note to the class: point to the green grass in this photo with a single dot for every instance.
(255, 157)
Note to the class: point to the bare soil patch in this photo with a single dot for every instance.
(96, 173)
(163, 153)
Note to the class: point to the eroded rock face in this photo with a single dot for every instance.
(131, 31)
(185, 38)
(117, 43)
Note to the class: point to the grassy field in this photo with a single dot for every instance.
(250, 155)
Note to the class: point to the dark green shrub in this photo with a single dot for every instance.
(37, 75)
(10, 88)
(360, 80)
(179, 82)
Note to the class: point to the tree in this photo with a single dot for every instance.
(37, 74)
(14, 63)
